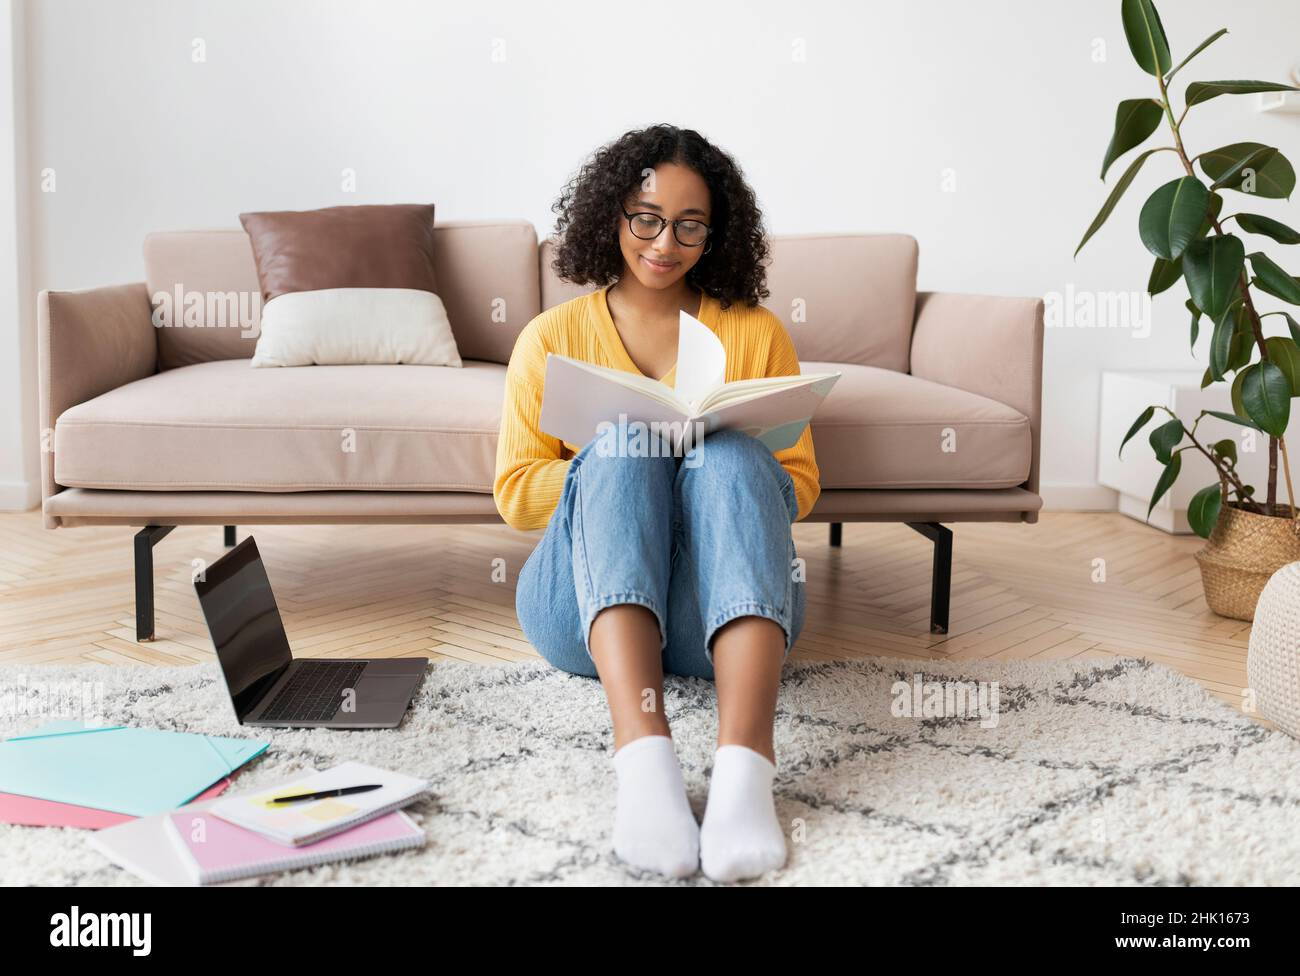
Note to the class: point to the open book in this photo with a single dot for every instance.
(579, 397)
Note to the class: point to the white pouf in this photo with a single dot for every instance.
(1273, 660)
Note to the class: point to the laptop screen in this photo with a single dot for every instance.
(244, 624)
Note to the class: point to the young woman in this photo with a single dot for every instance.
(650, 565)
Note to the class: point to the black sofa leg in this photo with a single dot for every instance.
(836, 529)
(230, 536)
(145, 540)
(941, 582)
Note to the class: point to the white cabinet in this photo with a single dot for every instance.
(1124, 395)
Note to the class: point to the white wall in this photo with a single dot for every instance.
(19, 486)
(1005, 93)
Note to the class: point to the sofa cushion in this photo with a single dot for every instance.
(846, 298)
(882, 429)
(225, 426)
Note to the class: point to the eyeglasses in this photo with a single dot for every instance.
(647, 226)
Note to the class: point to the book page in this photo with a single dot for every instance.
(777, 418)
(747, 389)
(578, 397)
(701, 361)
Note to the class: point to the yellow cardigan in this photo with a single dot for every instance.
(531, 465)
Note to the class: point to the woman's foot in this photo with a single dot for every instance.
(654, 827)
(741, 837)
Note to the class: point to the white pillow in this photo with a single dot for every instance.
(352, 326)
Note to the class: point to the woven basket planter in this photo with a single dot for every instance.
(1273, 660)
(1243, 552)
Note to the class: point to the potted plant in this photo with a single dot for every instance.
(1182, 225)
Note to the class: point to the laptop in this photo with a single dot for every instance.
(268, 685)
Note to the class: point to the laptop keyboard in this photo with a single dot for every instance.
(315, 692)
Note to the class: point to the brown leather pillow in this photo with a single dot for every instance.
(375, 246)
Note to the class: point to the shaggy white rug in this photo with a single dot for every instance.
(1122, 773)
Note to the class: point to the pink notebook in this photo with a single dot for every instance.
(217, 851)
(30, 811)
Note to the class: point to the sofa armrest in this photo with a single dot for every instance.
(985, 344)
(88, 342)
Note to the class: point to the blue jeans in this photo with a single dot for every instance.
(699, 540)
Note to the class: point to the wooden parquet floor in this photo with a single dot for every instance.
(1019, 591)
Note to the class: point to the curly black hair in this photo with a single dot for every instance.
(590, 208)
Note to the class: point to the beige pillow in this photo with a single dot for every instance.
(352, 326)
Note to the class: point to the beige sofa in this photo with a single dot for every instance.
(152, 416)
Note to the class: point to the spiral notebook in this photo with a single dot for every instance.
(213, 851)
(310, 821)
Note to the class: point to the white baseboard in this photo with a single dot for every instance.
(1078, 498)
(1162, 517)
(19, 496)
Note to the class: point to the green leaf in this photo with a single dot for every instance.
(1198, 49)
(1203, 510)
(1211, 215)
(1285, 354)
(1243, 338)
(1245, 327)
(1146, 36)
(1238, 408)
(1143, 419)
(1164, 275)
(1256, 224)
(1283, 291)
(1203, 91)
(1240, 351)
(1273, 279)
(1167, 479)
(1226, 449)
(1233, 418)
(1225, 328)
(1266, 395)
(1165, 438)
(1172, 215)
(1292, 325)
(1275, 180)
(1115, 194)
(1253, 162)
(1212, 267)
(1135, 119)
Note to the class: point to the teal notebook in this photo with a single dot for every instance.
(139, 772)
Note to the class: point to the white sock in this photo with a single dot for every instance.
(741, 837)
(654, 827)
